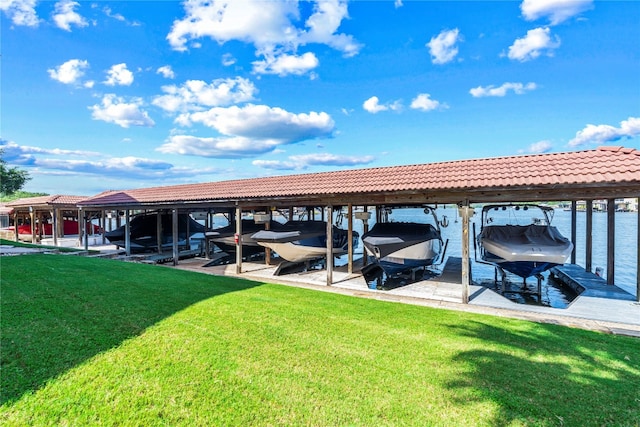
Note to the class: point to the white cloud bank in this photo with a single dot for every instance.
(273, 27)
(602, 134)
(517, 88)
(247, 131)
(90, 163)
(556, 11)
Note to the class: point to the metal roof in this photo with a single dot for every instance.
(605, 172)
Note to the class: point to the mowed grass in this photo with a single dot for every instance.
(101, 342)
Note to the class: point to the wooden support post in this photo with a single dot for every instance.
(365, 229)
(32, 219)
(103, 225)
(350, 237)
(175, 234)
(15, 225)
(589, 236)
(80, 227)
(329, 246)
(54, 226)
(611, 238)
(267, 251)
(573, 230)
(84, 229)
(127, 232)
(465, 213)
(238, 238)
(159, 231)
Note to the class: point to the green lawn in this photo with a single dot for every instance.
(101, 342)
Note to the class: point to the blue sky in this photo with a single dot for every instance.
(103, 95)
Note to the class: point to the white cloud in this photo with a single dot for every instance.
(228, 59)
(50, 161)
(196, 94)
(119, 75)
(373, 105)
(248, 131)
(21, 12)
(166, 71)
(65, 15)
(264, 122)
(315, 159)
(517, 88)
(117, 16)
(556, 10)
(70, 72)
(602, 134)
(540, 147)
(269, 26)
(115, 110)
(397, 3)
(533, 45)
(443, 47)
(424, 102)
(285, 64)
(222, 148)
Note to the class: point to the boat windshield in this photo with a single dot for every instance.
(520, 214)
(418, 214)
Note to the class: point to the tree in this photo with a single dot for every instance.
(11, 179)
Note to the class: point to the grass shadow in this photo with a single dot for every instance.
(51, 324)
(550, 375)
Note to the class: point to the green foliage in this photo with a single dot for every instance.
(12, 179)
(89, 341)
(19, 195)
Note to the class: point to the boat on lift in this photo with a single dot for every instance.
(401, 246)
(144, 232)
(225, 237)
(300, 241)
(522, 244)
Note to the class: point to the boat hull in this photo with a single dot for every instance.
(224, 237)
(524, 250)
(300, 241)
(403, 246)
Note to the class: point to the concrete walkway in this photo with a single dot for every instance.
(586, 312)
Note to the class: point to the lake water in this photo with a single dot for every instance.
(626, 245)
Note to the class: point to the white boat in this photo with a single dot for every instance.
(522, 249)
(300, 241)
(402, 246)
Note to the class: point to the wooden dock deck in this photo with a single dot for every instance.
(587, 284)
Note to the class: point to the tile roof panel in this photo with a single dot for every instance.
(591, 167)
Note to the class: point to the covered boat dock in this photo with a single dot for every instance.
(604, 173)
